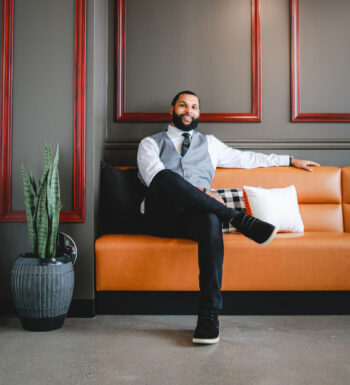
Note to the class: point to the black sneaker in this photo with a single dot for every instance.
(259, 231)
(207, 330)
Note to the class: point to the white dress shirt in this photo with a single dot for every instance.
(221, 155)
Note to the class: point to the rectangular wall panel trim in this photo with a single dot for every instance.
(120, 91)
(296, 114)
(78, 212)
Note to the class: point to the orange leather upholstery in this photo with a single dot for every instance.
(323, 185)
(346, 184)
(346, 197)
(312, 261)
(346, 213)
(318, 259)
(322, 217)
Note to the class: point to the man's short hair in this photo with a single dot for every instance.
(176, 97)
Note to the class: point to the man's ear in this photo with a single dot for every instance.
(171, 109)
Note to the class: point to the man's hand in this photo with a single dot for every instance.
(304, 164)
(213, 195)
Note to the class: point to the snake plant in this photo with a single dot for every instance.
(43, 205)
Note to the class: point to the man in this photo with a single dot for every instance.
(178, 165)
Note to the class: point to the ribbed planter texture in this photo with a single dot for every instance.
(41, 294)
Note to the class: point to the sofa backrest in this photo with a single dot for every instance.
(346, 197)
(319, 192)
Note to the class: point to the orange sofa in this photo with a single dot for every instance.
(316, 260)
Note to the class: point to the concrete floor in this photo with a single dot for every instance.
(259, 350)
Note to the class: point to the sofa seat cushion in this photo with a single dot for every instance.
(308, 261)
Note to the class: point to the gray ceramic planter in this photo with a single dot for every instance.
(41, 294)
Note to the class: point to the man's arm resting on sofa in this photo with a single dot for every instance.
(298, 163)
(304, 164)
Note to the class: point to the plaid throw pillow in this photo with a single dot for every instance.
(233, 198)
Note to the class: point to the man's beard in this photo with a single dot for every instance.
(177, 120)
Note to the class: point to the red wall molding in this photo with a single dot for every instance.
(296, 114)
(121, 115)
(78, 212)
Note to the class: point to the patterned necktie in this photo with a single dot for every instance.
(186, 143)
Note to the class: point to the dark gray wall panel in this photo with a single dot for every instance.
(275, 35)
(43, 80)
(274, 134)
(14, 236)
(14, 240)
(324, 55)
(202, 45)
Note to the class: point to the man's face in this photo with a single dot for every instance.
(185, 113)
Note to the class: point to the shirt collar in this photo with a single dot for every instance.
(176, 131)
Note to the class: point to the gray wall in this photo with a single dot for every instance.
(321, 43)
(184, 44)
(43, 113)
(325, 51)
(43, 91)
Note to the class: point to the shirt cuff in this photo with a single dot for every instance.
(284, 160)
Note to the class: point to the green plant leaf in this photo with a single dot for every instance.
(42, 222)
(43, 206)
(54, 205)
(42, 186)
(29, 201)
(33, 183)
(43, 232)
(47, 166)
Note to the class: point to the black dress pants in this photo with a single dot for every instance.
(176, 208)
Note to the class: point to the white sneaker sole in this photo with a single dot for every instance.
(270, 238)
(205, 341)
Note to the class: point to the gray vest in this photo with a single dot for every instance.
(195, 166)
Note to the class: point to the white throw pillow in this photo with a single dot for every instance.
(278, 206)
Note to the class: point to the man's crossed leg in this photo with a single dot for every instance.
(176, 208)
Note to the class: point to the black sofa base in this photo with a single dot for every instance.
(234, 302)
(186, 303)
